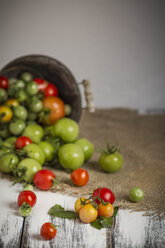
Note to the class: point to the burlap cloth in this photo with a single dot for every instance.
(142, 142)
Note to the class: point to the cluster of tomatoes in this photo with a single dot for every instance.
(35, 129)
(98, 205)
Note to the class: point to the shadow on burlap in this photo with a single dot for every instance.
(141, 140)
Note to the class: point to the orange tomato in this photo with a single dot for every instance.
(105, 210)
(56, 107)
(78, 204)
(5, 114)
(88, 213)
(12, 102)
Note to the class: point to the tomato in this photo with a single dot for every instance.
(12, 102)
(10, 141)
(80, 177)
(35, 152)
(21, 96)
(4, 83)
(16, 126)
(35, 105)
(26, 76)
(22, 141)
(8, 162)
(48, 231)
(66, 129)
(44, 179)
(3, 95)
(20, 112)
(47, 149)
(78, 203)
(20, 84)
(88, 213)
(25, 209)
(110, 160)
(111, 163)
(34, 132)
(42, 84)
(3, 151)
(105, 194)
(136, 194)
(71, 156)
(27, 196)
(87, 148)
(56, 107)
(32, 116)
(28, 187)
(32, 88)
(12, 80)
(105, 210)
(30, 167)
(5, 113)
(68, 110)
(4, 131)
(50, 90)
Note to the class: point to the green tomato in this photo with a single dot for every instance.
(12, 90)
(20, 112)
(10, 141)
(3, 95)
(71, 156)
(35, 152)
(29, 123)
(25, 209)
(3, 151)
(8, 162)
(47, 149)
(136, 194)
(32, 116)
(21, 96)
(28, 187)
(112, 162)
(16, 127)
(20, 84)
(34, 132)
(87, 148)
(4, 132)
(32, 88)
(66, 129)
(26, 76)
(31, 166)
(68, 109)
(12, 81)
(35, 105)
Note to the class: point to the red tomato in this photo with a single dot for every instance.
(48, 231)
(79, 177)
(28, 197)
(44, 179)
(105, 194)
(22, 141)
(42, 84)
(50, 90)
(4, 83)
(56, 107)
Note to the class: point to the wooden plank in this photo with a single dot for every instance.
(71, 233)
(10, 220)
(135, 230)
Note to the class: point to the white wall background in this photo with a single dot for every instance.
(118, 44)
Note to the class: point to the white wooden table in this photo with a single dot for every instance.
(130, 229)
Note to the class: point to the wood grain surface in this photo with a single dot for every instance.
(130, 229)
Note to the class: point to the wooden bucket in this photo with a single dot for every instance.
(57, 73)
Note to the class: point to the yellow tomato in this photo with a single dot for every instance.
(12, 102)
(78, 204)
(105, 210)
(5, 114)
(88, 213)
